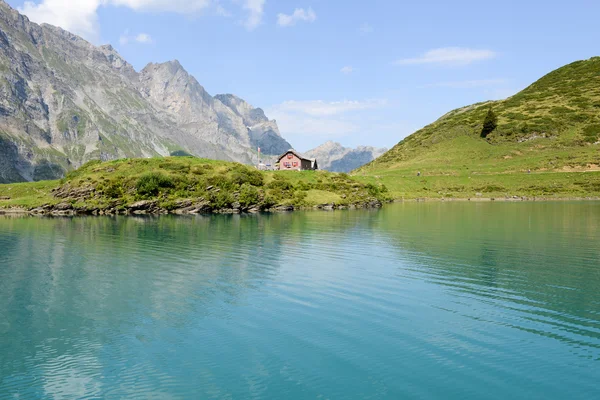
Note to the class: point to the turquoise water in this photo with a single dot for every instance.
(415, 301)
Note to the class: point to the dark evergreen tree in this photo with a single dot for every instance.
(490, 123)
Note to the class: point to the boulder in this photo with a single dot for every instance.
(63, 207)
(143, 205)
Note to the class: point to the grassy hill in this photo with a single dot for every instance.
(186, 185)
(545, 137)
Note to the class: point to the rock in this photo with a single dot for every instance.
(183, 203)
(201, 207)
(284, 208)
(63, 206)
(209, 188)
(143, 205)
(63, 213)
(236, 206)
(375, 204)
(4, 198)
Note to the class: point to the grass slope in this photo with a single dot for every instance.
(188, 183)
(551, 128)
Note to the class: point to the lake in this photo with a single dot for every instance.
(414, 301)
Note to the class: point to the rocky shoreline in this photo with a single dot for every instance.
(182, 207)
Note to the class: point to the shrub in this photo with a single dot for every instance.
(591, 133)
(220, 200)
(241, 175)
(248, 195)
(150, 185)
(279, 184)
(113, 190)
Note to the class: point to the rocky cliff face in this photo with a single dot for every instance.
(64, 102)
(334, 157)
(263, 133)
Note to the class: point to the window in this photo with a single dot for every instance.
(286, 164)
(290, 156)
(295, 163)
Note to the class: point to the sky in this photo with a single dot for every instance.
(359, 72)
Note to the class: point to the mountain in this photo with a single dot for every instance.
(64, 102)
(332, 156)
(552, 125)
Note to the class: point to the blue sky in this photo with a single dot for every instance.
(353, 71)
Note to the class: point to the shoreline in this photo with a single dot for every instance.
(149, 207)
(514, 199)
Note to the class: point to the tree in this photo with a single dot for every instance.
(490, 123)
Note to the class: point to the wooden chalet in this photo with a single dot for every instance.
(291, 160)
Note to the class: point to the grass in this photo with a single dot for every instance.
(27, 195)
(548, 185)
(218, 185)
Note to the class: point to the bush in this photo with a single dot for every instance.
(220, 200)
(280, 184)
(248, 195)
(591, 133)
(113, 190)
(150, 185)
(241, 175)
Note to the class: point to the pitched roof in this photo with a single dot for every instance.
(294, 152)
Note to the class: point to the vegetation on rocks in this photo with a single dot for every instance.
(187, 185)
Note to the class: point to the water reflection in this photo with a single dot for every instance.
(494, 300)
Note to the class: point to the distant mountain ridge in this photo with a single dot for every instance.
(64, 102)
(334, 157)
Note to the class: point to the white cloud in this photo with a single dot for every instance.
(468, 84)
(256, 10)
(366, 28)
(143, 38)
(320, 108)
(297, 125)
(347, 70)
(299, 15)
(81, 16)
(327, 120)
(450, 56)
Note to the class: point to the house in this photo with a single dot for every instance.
(294, 161)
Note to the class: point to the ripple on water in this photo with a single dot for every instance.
(413, 301)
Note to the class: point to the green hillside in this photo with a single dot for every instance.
(550, 128)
